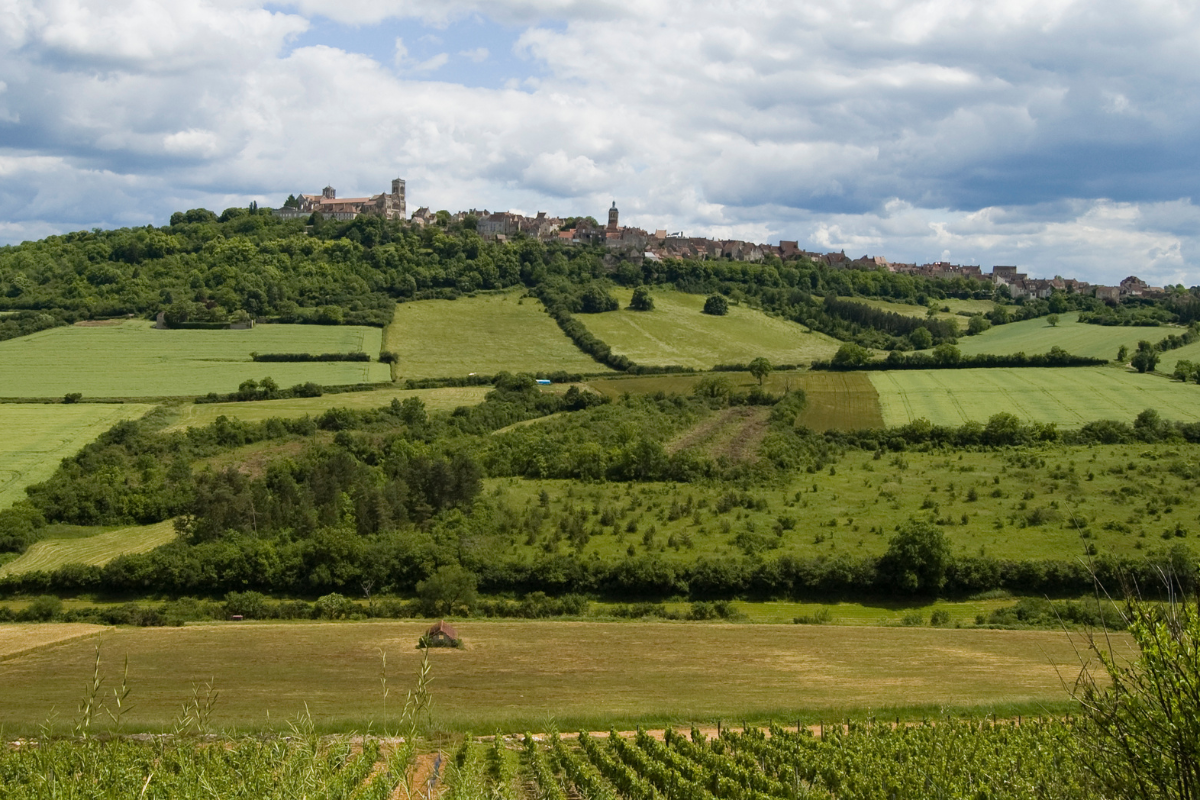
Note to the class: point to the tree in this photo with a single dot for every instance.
(947, 354)
(642, 299)
(72, 397)
(448, 588)
(291, 202)
(1146, 357)
(1142, 733)
(1184, 370)
(1122, 354)
(852, 355)
(916, 559)
(1053, 320)
(760, 368)
(595, 300)
(977, 324)
(716, 305)
(921, 338)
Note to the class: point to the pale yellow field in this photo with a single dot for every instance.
(516, 676)
(20, 639)
(446, 399)
(50, 554)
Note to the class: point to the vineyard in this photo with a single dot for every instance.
(862, 760)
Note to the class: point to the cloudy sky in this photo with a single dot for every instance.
(1060, 136)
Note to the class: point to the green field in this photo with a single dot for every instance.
(50, 554)
(36, 437)
(1068, 397)
(1078, 338)
(445, 399)
(485, 334)
(987, 502)
(676, 332)
(909, 310)
(516, 676)
(132, 359)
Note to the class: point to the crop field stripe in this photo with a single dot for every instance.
(50, 554)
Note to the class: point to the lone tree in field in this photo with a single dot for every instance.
(642, 301)
(1122, 354)
(1053, 320)
(916, 559)
(1146, 357)
(760, 368)
(716, 305)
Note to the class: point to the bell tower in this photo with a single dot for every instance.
(329, 193)
(612, 216)
(398, 196)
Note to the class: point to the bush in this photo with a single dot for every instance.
(716, 305)
(642, 299)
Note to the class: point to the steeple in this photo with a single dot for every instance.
(612, 216)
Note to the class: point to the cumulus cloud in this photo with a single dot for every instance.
(1036, 133)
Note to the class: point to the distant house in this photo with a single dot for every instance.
(441, 635)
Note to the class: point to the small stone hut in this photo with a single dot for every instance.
(441, 635)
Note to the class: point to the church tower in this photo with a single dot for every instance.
(612, 216)
(398, 196)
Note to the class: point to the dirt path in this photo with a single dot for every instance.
(734, 433)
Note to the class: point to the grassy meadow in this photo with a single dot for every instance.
(100, 548)
(1078, 338)
(515, 676)
(445, 399)
(132, 359)
(1068, 397)
(676, 332)
(37, 436)
(911, 310)
(484, 334)
(1054, 504)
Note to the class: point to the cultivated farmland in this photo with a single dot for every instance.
(50, 554)
(444, 399)
(676, 332)
(133, 359)
(1068, 397)
(485, 334)
(1078, 338)
(36, 437)
(516, 676)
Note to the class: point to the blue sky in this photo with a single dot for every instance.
(1054, 134)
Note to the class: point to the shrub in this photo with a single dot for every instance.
(716, 305)
(642, 299)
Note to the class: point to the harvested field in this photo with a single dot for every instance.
(101, 548)
(37, 436)
(676, 332)
(840, 401)
(1068, 397)
(516, 676)
(733, 434)
(134, 360)
(485, 334)
(445, 399)
(21, 639)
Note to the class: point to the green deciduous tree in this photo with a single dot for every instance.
(916, 559)
(642, 299)
(853, 355)
(450, 587)
(716, 305)
(1146, 357)
(760, 368)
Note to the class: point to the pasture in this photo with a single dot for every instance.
(37, 436)
(485, 334)
(98, 549)
(676, 332)
(132, 359)
(516, 676)
(196, 415)
(952, 305)
(1078, 338)
(1125, 500)
(1068, 397)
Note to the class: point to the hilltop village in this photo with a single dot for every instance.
(636, 243)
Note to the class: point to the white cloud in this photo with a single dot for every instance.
(1032, 128)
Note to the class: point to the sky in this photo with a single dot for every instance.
(1055, 135)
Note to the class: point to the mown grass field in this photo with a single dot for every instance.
(1068, 397)
(445, 399)
(35, 437)
(1053, 504)
(50, 554)
(516, 676)
(484, 334)
(1078, 338)
(676, 332)
(836, 400)
(134, 360)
